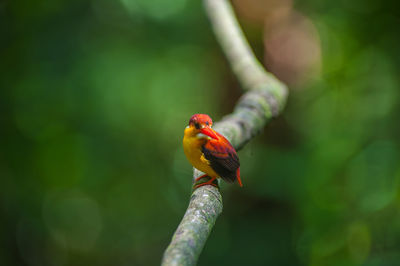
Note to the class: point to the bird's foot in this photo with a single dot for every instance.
(209, 182)
(200, 177)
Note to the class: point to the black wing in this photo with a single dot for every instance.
(223, 158)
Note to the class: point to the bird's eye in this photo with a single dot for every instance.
(197, 125)
(207, 123)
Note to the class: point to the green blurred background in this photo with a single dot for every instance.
(94, 99)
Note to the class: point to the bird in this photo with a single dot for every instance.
(210, 152)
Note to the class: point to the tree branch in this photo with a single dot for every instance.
(265, 99)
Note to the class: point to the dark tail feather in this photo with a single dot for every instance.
(232, 176)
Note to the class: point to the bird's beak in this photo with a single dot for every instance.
(209, 132)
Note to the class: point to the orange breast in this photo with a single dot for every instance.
(192, 146)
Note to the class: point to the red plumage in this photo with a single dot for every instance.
(223, 158)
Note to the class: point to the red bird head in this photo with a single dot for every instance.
(202, 123)
(199, 120)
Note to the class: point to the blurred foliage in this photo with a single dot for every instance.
(95, 96)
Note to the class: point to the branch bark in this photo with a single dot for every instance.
(265, 98)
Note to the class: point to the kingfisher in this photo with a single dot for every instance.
(210, 152)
